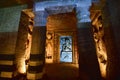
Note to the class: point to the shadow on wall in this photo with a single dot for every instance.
(88, 63)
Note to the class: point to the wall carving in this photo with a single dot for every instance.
(98, 34)
(57, 51)
(49, 47)
(23, 44)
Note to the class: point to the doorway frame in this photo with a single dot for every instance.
(57, 43)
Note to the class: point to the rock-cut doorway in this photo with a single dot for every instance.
(61, 57)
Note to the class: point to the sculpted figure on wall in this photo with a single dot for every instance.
(49, 46)
(100, 45)
(66, 48)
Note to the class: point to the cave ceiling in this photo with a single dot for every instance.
(55, 6)
(9, 3)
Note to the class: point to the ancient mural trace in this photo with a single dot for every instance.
(49, 45)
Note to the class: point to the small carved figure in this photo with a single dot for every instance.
(49, 49)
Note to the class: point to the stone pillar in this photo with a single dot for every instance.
(83, 13)
(23, 44)
(37, 56)
(88, 64)
(99, 38)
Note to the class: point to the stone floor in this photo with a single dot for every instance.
(61, 71)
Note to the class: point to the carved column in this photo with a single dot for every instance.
(23, 44)
(99, 38)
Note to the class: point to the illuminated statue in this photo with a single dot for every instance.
(49, 46)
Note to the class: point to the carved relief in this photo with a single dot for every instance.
(66, 50)
(57, 50)
(98, 35)
(49, 47)
(23, 44)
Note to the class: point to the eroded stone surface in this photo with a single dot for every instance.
(23, 45)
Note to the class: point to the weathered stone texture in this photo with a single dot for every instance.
(111, 22)
(63, 22)
(99, 39)
(9, 18)
(23, 44)
(37, 55)
(9, 21)
(38, 42)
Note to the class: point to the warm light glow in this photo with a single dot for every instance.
(49, 60)
(102, 62)
(102, 69)
(21, 66)
(49, 48)
(102, 58)
(100, 44)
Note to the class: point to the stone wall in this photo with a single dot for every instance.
(112, 30)
(88, 63)
(9, 18)
(9, 21)
(62, 22)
